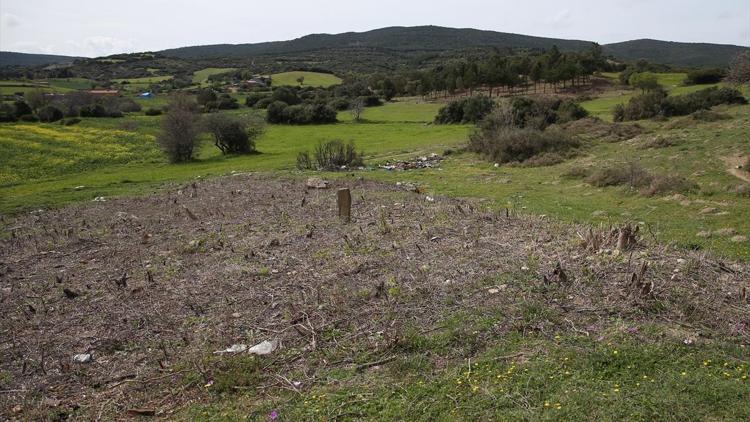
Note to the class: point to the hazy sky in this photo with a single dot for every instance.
(100, 27)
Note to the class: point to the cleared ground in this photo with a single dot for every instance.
(431, 308)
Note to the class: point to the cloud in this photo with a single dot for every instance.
(10, 21)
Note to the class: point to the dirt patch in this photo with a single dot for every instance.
(149, 288)
(737, 166)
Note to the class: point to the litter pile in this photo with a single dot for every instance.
(423, 162)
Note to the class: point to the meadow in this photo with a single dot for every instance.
(314, 79)
(201, 76)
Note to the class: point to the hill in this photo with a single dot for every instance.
(9, 58)
(675, 53)
(414, 40)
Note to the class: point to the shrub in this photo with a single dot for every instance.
(569, 111)
(631, 174)
(297, 114)
(322, 113)
(71, 121)
(152, 112)
(28, 118)
(205, 96)
(339, 104)
(286, 95)
(669, 184)
(49, 114)
(705, 76)
(331, 156)
(22, 108)
(709, 116)
(275, 112)
(371, 100)
(646, 81)
(233, 135)
(263, 103)
(660, 142)
(225, 102)
(704, 99)
(505, 144)
(93, 110)
(180, 129)
(8, 113)
(642, 106)
(467, 110)
(253, 98)
(127, 105)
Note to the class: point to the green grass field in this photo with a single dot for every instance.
(314, 79)
(201, 76)
(145, 80)
(8, 87)
(407, 112)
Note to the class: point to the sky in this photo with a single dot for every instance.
(94, 28)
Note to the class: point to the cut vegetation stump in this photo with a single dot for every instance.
(344, 200)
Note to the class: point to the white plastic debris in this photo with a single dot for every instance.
(429, 199)
(235, 348)
(265, 347)
(82, 358)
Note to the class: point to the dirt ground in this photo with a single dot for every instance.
(152, 286)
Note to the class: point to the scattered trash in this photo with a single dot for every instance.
(424, 162)
(409, 186)
(100, 199)
(82, 358)
(316, 183)
(429, 199)
(235, 348)
(264, 348)
(273, 415)
(79, 187)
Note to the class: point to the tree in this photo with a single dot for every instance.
(36, 98)
(275, 112)
(358, 106)
(180, 129)
(205, 96)
(645, 81)
(301, 80)
(739, 72)
(389, 89)
(233, 135)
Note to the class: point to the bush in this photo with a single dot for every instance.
(371, 100)
(180, 129)
(631, 174)
(681, 105)
(286, 95)
(232, 135)
(253, 98)
(49, 114)
(506, 144)
(569, 111)
(297, 114)
(321, 113)
(93, 110)
(152, 112)
(468, 110)
(275, 112)
(28, 118)
(22, 108)
(8, 113)
(205, 96)
(705, 76)
(263, 103)
(71, 121)
(669, 184)
(225, 102)
(127, 105)
(642, 106)
(339, 104)
(331, 156)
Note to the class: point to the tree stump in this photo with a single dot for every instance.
(344, 200)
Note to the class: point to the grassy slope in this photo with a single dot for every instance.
(311, 79)
(8, 87)
(201, 76)
(673, 82)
